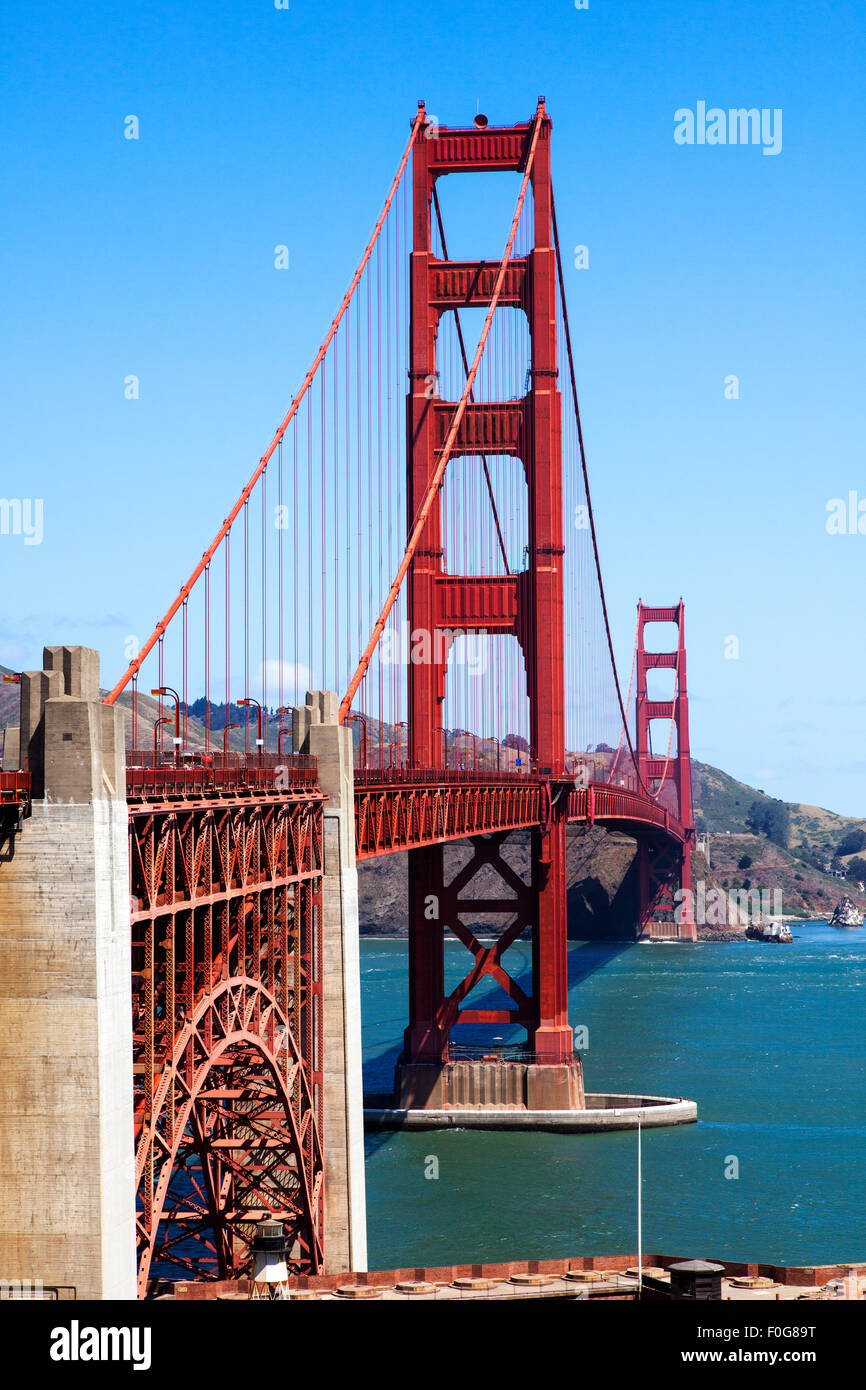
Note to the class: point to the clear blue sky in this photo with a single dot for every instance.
(261, 126)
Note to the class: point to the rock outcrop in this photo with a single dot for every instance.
(846, 914)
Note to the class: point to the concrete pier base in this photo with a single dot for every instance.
(67, 1180)
(602, 1112)
(491, 1084)
(668, 931)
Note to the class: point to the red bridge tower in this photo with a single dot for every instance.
(664, 866)
(528, 606)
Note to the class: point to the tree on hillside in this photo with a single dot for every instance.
(778, 823)
(754, 817)
(772, 819)
(852, 843)
(745, 862)
(857, 868)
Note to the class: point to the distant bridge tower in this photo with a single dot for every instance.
(527, 606)
(664, 866)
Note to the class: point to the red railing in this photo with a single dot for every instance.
(602, 803)
(405, 808)
(14, 786)
(439, 776)
(150, 775)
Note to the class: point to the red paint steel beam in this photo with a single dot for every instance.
(488, 428)
(467, 284)
(456, 150)
(469, 603)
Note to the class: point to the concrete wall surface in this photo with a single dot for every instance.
(67, 1180)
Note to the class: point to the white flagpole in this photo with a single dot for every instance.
(639, 1217)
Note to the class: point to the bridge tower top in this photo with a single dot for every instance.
(526, 605)
(673, 765)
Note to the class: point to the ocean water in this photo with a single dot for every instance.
(768, 1039)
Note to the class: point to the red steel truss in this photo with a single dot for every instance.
(226, 958)
(408, 809)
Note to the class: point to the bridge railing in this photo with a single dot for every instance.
(601, 801)
(151, 775)
(441, 776)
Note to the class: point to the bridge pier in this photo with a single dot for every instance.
(67, 1182)
(316, 732)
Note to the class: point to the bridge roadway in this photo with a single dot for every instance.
(397, 809)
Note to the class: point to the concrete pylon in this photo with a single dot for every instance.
(67, 1175)
(316, 732)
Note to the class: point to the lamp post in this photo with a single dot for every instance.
(284, 709)
(260, 742)
(494, 739)
(157, 725)
(163, 690)
(444, 733)
(362, 742)
(395, 744)
(226, 731)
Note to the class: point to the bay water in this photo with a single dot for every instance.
(769, 1040)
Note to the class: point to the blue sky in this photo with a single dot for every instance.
(262, 126)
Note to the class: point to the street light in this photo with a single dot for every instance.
(260, 742)
(494, 739)
(163, 690)
(395, 743)
(362, 742)
(226, 731)
(157, 725)
(284, 709)
(444, 733)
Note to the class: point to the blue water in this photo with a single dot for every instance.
(768, 1039)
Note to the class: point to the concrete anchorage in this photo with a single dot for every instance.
(316, 732)
(67, 1176)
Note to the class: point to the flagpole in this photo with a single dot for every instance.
(639, 1217)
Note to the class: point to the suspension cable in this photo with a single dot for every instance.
(439, 472)
(133, 668)
(586, 484)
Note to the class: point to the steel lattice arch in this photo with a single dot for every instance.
(226, 925)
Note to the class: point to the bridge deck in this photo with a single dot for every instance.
(405, 808)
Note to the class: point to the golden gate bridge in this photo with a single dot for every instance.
(419, 538)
